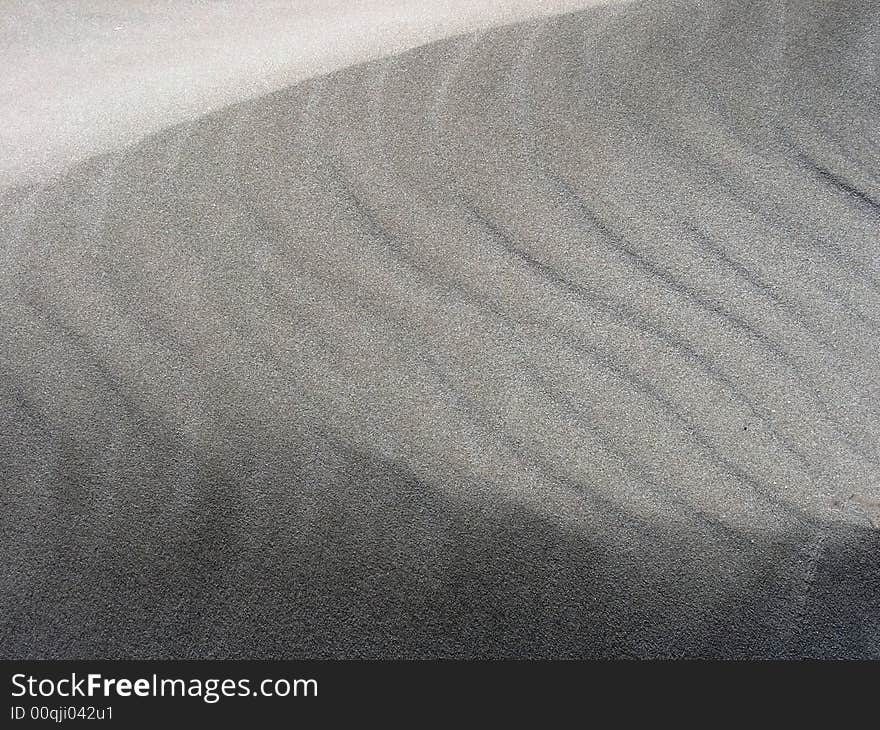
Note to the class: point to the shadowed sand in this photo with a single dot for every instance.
(554, 340)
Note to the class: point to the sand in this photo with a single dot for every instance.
(552, 339)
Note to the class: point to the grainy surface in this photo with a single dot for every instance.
(557, 340)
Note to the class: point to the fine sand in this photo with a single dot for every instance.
(553, 339)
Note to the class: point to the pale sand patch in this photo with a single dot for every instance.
(80, 78)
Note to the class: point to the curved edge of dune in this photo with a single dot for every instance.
(80, 79)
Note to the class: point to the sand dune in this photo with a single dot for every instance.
(553, 339)
(80, 77)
